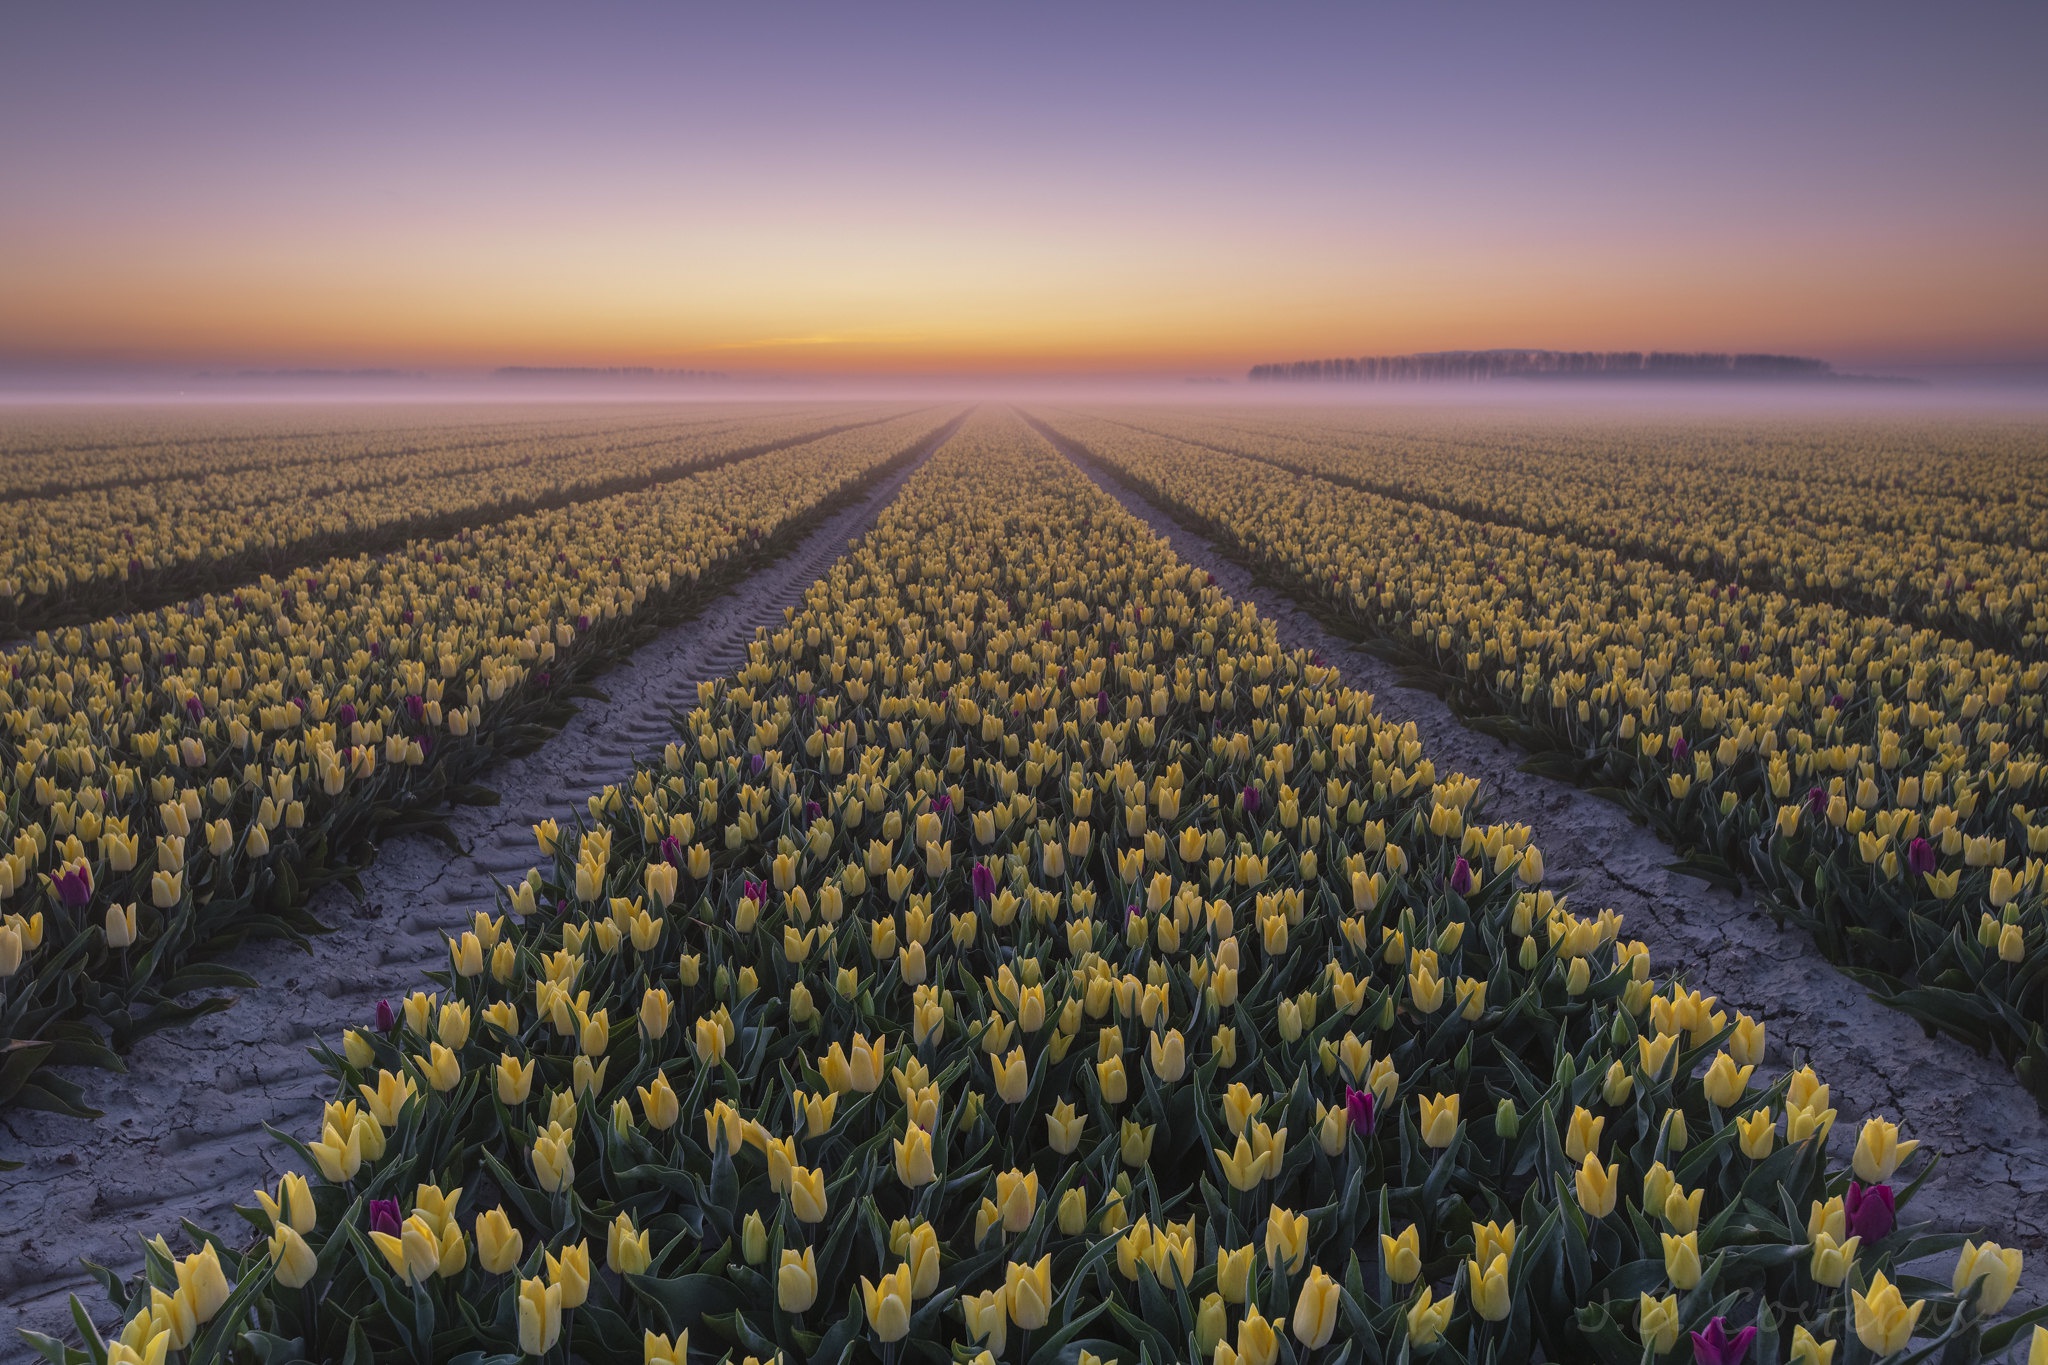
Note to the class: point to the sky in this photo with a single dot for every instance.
(973, 188)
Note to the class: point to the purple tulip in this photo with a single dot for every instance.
(983, 880)
(582, 623)
(543, 679)
(384, 1217)
(73, 886)
(1680, 748)
(812, 810)
(757, 892)
(387, 1018)
(1742, 653)
(195, 708)
(1869, 1211)
(1920, 857)
(1101, 704)
(1838, 701)
(1358, 1106)
(1817, 800)
(415, 706)
(1251, 800)
(1715, 1347)
(803, 701)
(1461, 877)
(672, 850)
(345, 714)
(941, 804)
(756, 763)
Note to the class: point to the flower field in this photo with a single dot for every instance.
(1026, 957)
(182, 778)
(1875, 777)
(1937, 525)
(142, 526)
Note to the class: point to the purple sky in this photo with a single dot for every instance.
(1045, 187)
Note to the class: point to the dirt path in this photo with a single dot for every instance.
(1993, 1176)
(183, 1132)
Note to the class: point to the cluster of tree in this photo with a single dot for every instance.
(1513, 364)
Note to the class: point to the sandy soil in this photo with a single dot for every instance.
(183, 1132)
(1993, 1139)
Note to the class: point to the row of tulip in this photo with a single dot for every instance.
(68, 449)
(176, 780)
(85, 553)
(1932, 523)
(1024, 957)
(1876, 780)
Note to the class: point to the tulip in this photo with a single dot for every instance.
(1806, 1350)
(1359, 1108)
(1884, 1322)
(1996, 1268)
(1258, 1341)
(754, 1231)
(807, 1194)
(1832, 1258)
(1681, 1259)
(1028, 1292)
(1286, 1240)
(293, 1206)
(628, 1251)
(1063, 1128)
(540, 1316)
(1597, 1186)
(1488, 1288)
(1439, 1119)
(1657, 1323)
(659, 1350)
(1211, 1320)
(1879, 1151)
(1233, 1273)
(553, 1167)
(415, 1253)
(498, 1243)
(1869, 1211)
(1715, 1347)
(988, 1320)
(1011, 1077)
(914, 1157)
(570, 1273)
(1428, 1317)
(294, 1260)
(796, 1281)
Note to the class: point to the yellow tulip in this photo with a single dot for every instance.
(796, 1281)
(498, 1243)
(540, 1316)
(570, 1273)
(1997, 1267)
(1884, 1322)
(1657, 1322)
(1286, 1240)
(807, 1194)
(1027, 1289)
(1597, 1186)
(1879, 1151)
(1488, 1288)
(1428, 1317)
(1681, 1259)
(1439, 1119)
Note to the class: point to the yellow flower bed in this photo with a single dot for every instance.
(1026, 957)
(176, 779)
(1878, 778)
(80, 554)
(1938, 523)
